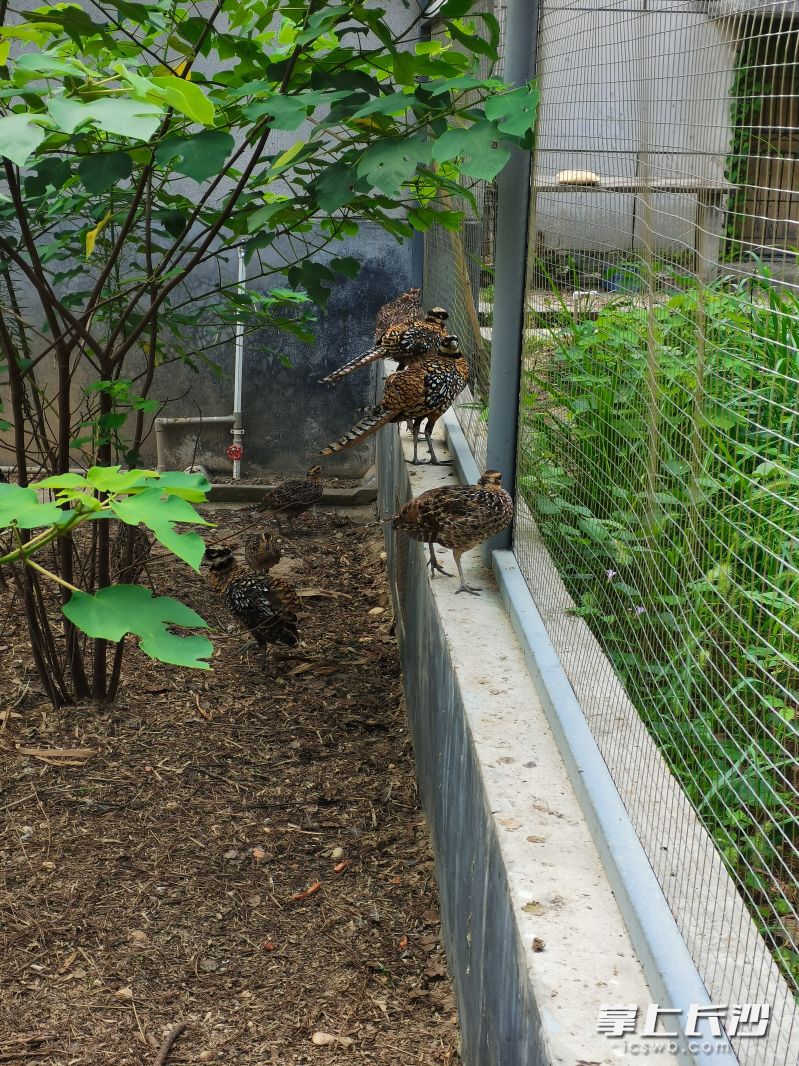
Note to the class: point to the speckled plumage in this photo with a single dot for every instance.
(253, 598)
(457, 517)
(294, 496)
(423, 390)
(405, 308)
(262, 551)
(405, 342)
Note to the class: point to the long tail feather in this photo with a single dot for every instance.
(368, 425)
(355, 364)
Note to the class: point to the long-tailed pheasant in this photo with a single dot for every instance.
(423, 390)
(457, 517)
(405, 343)
(253, 599)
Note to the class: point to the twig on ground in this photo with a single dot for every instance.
(169, 1040)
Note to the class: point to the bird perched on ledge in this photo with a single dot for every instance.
(457, 517)
(405, 308)
(423, 390)
(294, 496)
(405, 343)
(253, 598)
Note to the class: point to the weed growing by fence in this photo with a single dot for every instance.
(659, 460)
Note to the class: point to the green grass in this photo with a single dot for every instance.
(663, 472)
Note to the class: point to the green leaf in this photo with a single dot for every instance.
(21, 507)
(480, 158)
(63, 481)
(160, 513)
(404, 64)
(187, 98)
(191, 487)
(454, 9)
(514, 112)
(51, 172)
(67, 114)
(46, 64)
(286, 112)
(103, 171)
(387, 165)
(113, 612)
(20, 136)
(199, 157)
(112, 479)
(135, 119)
(336, 186)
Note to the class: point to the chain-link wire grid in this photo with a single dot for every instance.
(459, 275)
(658, 478)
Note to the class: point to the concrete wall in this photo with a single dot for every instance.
(620, 81)
(515, 863)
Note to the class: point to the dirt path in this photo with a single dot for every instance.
(240, 853)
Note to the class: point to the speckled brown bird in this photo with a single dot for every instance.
(262, 552)
(405, 343)
(405, 308)
(253, 598)
(294, 496)
(457, 517)
(423, 390)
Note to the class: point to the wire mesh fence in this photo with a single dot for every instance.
(658, 469)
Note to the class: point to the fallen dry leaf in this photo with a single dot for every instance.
(321, 1039)
(258, 854)
(309, 891)
(533, 907)
(58, 753)
(538, 944)
(509, 823)
(124, 993)
(340, 867)
(403, 943)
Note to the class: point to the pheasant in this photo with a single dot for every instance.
(423, 390)
(253, 599)
(405, 308)
(406, 342)
(457, 517)
(294, 496)
(262, 551)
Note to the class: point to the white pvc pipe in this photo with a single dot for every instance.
(238, 365)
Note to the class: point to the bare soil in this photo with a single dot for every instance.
(238, 852)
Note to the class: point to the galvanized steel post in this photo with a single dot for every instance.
(513, 202)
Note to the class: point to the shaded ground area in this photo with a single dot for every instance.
(242, 853)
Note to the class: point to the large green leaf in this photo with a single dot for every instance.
(67, 113)
(387, 165)
(51, 172)
(135, 119)
(160, 513)
(199, 157)
(20, 136)
(187, 98)
(514, 112)
(113, 612)
(191, 487)
(21, 507)
(47, 65)
(112, 479)
(285, 112)
(105, 170)
(475, 146)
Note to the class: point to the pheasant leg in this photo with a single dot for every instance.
(473, 589)
(435, 564)
(415, 432)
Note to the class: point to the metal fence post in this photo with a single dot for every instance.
(513, 201)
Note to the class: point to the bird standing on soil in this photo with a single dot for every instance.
(254, 599)
(423, 390)
(457, 517)
(405, 308)
(262, 552)
(405, 343)
(295, 496)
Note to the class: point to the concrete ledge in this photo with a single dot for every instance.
(514, 856)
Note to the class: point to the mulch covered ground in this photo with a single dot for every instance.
(240, 853)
